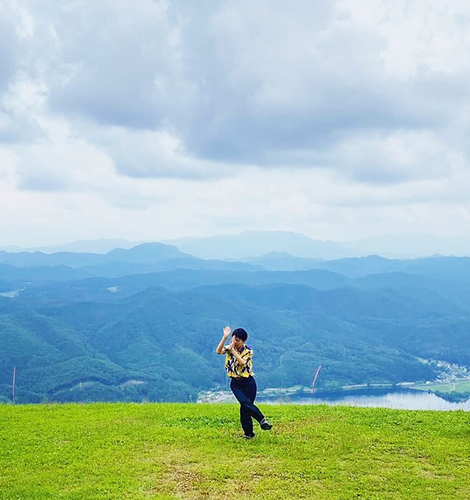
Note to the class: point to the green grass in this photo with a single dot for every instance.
(461, 386)
(189, 451)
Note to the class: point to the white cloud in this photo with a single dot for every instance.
(397, 156)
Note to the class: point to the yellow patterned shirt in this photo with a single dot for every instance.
(233, 368)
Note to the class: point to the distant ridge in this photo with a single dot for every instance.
(144, 258)
(146, 252)
(412, 245)
(251, 244)
(100, 246)
(284, 261)
(255, 243)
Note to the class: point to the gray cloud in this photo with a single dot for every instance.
(9, 45)
(38, 181)
(267, 83)
(13, 127)
(110, 58)
(331, 82)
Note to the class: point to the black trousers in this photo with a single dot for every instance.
(244, 390)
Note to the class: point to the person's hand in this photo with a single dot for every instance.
(232, 345)
(227, 331)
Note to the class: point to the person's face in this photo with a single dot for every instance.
(237, 343)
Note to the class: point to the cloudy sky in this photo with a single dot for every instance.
(146, 120)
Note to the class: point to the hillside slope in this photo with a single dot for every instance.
(164, 340)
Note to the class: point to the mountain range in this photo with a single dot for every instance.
(142, 323)
(252, 244)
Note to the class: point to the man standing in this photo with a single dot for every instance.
(239, 367)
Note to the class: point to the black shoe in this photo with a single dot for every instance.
(265, 425)
(248, 436)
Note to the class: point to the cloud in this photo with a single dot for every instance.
(394, 157)
(14, 33)
(298, 88)
(148, 153)
(53, 167)
(21, 111)
(110, 60)
(307, 77)
(9, 44)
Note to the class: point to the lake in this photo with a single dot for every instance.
(400, 400)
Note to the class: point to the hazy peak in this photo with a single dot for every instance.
(255, 243)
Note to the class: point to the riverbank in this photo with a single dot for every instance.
(226, 396)
(441, 389)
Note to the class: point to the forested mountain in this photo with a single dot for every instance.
(152, 336)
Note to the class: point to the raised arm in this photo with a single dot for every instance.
(220, 346)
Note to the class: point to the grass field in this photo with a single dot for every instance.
(192, 451)
(460, 386)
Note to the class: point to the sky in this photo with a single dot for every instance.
(152, 120)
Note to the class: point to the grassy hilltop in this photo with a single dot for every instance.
(166, 451)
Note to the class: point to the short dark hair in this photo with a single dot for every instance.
(240, 333)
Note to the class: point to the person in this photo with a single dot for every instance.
(239, 367)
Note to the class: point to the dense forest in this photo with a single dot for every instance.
(142, 324)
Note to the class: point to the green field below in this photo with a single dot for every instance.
(447, 387)
(195, 451)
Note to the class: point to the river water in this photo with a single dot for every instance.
(410, 400)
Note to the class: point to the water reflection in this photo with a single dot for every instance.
(412, 400)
